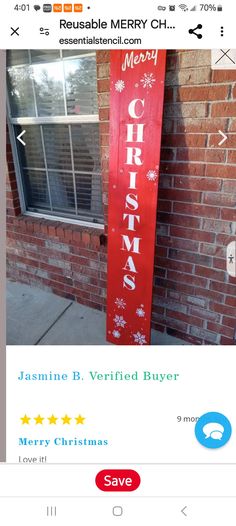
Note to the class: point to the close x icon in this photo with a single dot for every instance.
(223, 59)
(15, 31)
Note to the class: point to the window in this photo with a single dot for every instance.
(53, 96)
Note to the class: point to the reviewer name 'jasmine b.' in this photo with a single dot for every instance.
(99, 376)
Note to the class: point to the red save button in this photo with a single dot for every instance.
(118, 480)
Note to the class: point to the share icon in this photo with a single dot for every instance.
(193, 31)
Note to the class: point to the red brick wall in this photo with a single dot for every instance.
(194, 298)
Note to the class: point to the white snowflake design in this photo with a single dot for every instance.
(116, 334)
(148, 80)
(151, 175)
(139, 338)
(119, 321)
(140, 312)
(119, 85)
(121, 304)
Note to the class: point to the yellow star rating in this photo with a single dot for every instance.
(66, 419)
(25, 419)
(52, 419)
(38, 419)
(80, 419)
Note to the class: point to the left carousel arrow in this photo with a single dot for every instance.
(20, 139)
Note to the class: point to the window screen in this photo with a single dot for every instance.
(53, 97)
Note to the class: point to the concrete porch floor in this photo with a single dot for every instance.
(36, 317)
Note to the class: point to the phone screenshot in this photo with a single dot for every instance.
(118, 263)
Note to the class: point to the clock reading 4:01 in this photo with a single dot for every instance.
(22, 7)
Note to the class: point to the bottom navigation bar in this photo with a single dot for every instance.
(126, 510)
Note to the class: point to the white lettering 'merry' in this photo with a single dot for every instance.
(131, 59)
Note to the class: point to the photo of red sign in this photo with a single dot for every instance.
(137, 92)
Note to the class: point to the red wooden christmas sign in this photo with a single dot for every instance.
(137, 91)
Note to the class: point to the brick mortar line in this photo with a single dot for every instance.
(198, 203)
(196, 162)
(192, 262)
(196, 275)
(195, 102)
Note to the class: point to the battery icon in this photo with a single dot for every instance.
(219, 8)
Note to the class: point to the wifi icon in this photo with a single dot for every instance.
(184, 7)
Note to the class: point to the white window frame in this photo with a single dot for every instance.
(63, 119)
